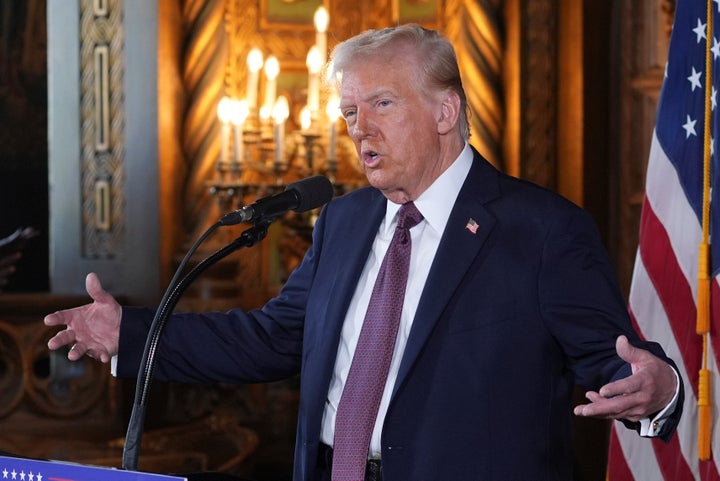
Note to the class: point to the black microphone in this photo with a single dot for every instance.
(299, 196)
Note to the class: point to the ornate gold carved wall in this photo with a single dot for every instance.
(102, 131)
(476, 30)
(41, 393)
(220, 33)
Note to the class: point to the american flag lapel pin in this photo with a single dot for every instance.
(472, 226)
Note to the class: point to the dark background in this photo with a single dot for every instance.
(23, 137)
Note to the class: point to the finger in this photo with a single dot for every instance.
(60, 318)
(621, 407)
(54, 319)
(77, 351)
(98, 355)
(621, 387)
(593, 396)
(62, 338)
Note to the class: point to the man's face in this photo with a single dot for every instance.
(393, 124)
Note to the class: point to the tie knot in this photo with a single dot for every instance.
(408, 216)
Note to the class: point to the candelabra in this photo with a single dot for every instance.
(262, 148)
(258, 156)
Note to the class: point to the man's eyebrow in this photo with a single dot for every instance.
(379, 93)
(370, 97)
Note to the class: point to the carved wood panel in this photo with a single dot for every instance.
(644, 27)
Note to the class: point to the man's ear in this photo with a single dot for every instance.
(449, 114)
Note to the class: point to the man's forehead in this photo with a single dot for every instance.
(351, 96)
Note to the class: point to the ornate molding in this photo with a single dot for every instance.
(668, 8)
(204, 71)
(102, 127)
(67, 390)
(539, 80)
(476, 31)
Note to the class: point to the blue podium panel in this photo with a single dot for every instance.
(21, 469)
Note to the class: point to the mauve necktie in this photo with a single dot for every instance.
(364, 386)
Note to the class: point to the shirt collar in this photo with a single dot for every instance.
(438, 200)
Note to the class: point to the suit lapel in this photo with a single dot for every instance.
(458, 249)
(349, 258)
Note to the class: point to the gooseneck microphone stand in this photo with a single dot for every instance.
(248, 238)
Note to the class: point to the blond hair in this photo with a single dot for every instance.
(435, 52)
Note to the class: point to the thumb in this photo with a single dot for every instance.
(626, 351)
(95, 289)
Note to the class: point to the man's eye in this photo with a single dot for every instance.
(348, 113)
(384, 103)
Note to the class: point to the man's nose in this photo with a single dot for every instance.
(363, 126)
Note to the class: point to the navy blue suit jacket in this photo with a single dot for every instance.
(511, 318)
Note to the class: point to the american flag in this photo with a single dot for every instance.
(664, 290)
(472, 225)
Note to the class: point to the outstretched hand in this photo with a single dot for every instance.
(92, 329)
(647, 391)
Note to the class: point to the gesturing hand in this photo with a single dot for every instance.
(92, 329)
(648, 390)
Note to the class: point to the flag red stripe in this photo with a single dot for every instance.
(618, 469)
(715, 318)
(709, 471)
(672, 289)
(670, 458)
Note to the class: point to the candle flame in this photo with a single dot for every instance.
(321, 19)
(314, 60)
(255, 60)
(239, 112)
(332, 109)
(224, 109)
(272, 67)
(281, 110)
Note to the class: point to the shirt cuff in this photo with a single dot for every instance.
(651, 428)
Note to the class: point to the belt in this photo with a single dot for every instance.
(373, 467)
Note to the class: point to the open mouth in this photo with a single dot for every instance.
(370, 156)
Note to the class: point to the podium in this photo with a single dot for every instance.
(23, 469)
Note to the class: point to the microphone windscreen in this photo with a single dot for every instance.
(312, 192)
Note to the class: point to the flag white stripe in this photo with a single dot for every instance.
(669, 203)
(636, 448)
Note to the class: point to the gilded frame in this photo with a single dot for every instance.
(289, 14)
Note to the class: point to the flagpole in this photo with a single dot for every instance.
(703, 302)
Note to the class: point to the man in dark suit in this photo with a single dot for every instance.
(509, 302)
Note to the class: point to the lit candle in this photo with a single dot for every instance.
(239, 113)
(254, 63)
(305, 118)
(265, 114)
(224, 109)
(333, 112)
(314, 64)
(272, 69)
(281, 111)
(321, 20)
